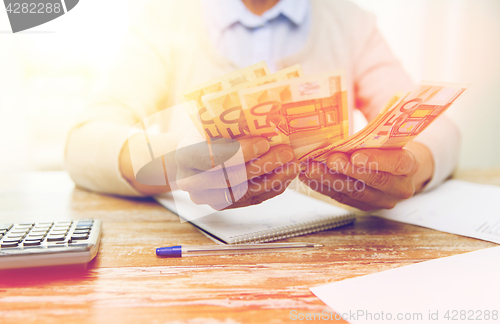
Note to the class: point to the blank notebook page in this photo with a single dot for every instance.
(289, 213)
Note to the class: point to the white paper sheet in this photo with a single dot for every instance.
(459, 289)
(456, 207)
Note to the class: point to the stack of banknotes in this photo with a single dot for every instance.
(309, 113)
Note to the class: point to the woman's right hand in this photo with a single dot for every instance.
(231, 174)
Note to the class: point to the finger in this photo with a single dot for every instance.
(352, 188)
(195, 154)
(274, 181)
(196, 180)
(341, 198)
(255, 200)
(207, 155)
(215, 198)
(264, 195)
(399, 186)
(338, 161)
(251, 148)
(276, 157)
(397, 162)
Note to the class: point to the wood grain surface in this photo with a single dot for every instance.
(127, 283)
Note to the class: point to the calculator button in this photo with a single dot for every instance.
(32, 243)
(16, 234)
(61, 226)
(59, 231)
(53, 229)
(5, 226)
(54, 238)
(20, 228)
(17, 231)
(79, 237)
(39, 227)
(34, 237)
(68, 223)
(80, 228)
(39, 232)
(9, 244)
(84, 223)
(13, 237)
(44, 224)
(81, 231)
(57, 234)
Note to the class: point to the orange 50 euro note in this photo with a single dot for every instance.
(225, 108)
(402, 122)
(308, 113)
(199, 114)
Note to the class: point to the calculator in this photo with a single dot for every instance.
(39, 244)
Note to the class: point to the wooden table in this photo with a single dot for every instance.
(127, 283)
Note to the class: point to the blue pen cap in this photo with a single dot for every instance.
(170, 251)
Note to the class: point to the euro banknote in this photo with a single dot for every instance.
(308, 113)
(199, 115)
(401, 123)
(224, 106)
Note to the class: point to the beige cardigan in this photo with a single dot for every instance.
(167, 50)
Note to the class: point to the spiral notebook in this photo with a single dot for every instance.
(287, 215)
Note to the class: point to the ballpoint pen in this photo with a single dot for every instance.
(201, 250)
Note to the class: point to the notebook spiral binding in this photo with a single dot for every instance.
(292, 230)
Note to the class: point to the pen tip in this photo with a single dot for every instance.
(318, 245)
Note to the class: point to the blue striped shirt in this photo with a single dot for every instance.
(245, 38)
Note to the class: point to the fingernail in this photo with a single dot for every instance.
(339, 163)
(285, 156)
(261, 147)
(360, 159)
(313, 173)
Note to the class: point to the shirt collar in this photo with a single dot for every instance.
(228, 12)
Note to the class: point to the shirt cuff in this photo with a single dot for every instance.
(443, 139)
(92, 157)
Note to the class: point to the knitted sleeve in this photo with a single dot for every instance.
(378, 75)
(135, 86)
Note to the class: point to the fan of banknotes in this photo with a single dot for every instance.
(309, 113)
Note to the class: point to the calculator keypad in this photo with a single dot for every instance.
(45, 234)
(41, 244)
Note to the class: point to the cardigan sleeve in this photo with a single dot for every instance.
(377, 76)
(134, 88)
